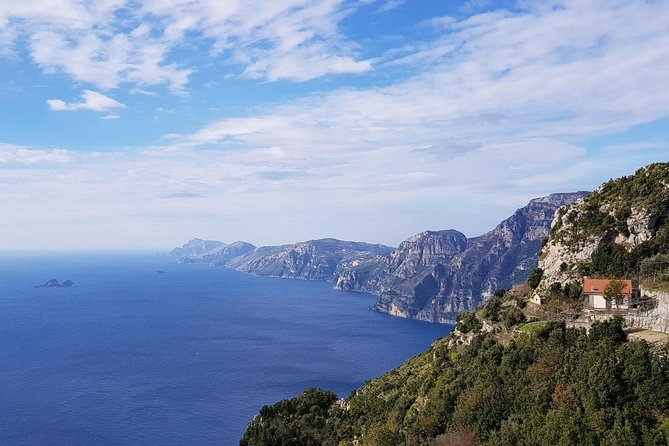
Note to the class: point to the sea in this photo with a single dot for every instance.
(142, 350)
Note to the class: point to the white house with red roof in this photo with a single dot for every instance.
(595, 292)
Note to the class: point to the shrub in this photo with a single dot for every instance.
(535, 277)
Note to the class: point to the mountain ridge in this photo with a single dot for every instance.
(431, 276)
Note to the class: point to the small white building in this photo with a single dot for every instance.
(594, 290)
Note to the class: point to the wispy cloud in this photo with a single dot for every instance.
(497, 101)
(389, 5)
(121, 41)
(91, 100)
(10, 154)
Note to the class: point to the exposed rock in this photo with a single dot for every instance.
(53, 283)
(314, 259)
(641, 225)
(431, 276)
(195, 247)
(627, 211)
(222, 254)
(461, 278)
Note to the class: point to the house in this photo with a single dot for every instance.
(594, 291)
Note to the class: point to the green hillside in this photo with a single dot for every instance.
(552, 386)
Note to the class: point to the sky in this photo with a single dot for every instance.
(139, 124)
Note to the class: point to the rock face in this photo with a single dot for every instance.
(461, 278)
(620, 216)
(222, 254)
(195, 247)
(314, 259)
(431, 276)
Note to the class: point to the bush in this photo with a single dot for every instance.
(534, 278)
(467, 321)
(512, 316)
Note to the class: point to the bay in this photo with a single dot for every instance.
(143, 351)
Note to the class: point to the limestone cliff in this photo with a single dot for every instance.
(314, 259)
(468, 274)
(609, 232)
(431, 276)
(195, 247)
(222, 254)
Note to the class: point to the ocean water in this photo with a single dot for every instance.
(131, 356)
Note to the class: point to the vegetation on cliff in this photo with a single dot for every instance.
(499, 381)
(551, 385)
(619, 231)
(609, 207)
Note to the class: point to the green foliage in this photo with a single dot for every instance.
(653, 265)
(467, 321)
(534, 278)
(299, 421)
(555, 288)
(613, 292)
(492, 309)
(533, 327)
(553, 386)
(573, 291)
(512, 316)
(611, 330)
(608, 209)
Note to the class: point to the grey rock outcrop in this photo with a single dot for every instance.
(222, 254)
(313, 260)
(461, 280)
(626, 212)
(431, 276)
(195, 247)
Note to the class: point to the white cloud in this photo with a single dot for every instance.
(389, 5)
(10, 154)
(91, 100)
(108, 43)
(494, 114)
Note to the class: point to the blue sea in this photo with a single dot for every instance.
(185, 356)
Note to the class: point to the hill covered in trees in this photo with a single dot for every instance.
(497, 381)
(621, 230)
(551, 385)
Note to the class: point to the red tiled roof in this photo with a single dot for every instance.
(597, 286)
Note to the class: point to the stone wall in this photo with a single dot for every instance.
(656, 319)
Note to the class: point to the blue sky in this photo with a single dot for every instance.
(140, 124)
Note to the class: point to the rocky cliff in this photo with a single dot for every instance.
(195, 247)
(610, 232)
(222, 254)
(314, 259)
(431, 276)
(435, 275)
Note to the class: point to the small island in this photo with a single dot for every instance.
(53, 283)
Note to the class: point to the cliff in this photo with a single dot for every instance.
(610, 232)
(434, 275)
(195, 247)
(431, 276)
(313, 259)
(221, 254)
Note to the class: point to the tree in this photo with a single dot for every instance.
(534, 278)
(613, 292)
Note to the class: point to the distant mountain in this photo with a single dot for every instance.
(221, 254)
(195, 247)
(431, 276)
(435, 275)
(313, 259)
